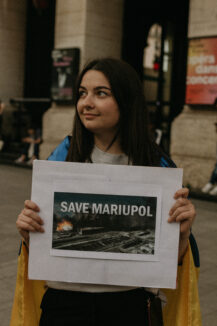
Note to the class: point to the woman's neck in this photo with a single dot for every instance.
(103, 143)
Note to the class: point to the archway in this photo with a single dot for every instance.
(153, 23)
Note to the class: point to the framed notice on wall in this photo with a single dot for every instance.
(201, 83)
(64, 72)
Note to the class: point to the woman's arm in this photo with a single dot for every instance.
(183, 211)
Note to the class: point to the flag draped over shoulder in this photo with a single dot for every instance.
(28, 294)
(182, 308)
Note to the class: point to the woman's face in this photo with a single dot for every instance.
(97, 108)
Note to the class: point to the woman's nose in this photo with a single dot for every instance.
(88, 101)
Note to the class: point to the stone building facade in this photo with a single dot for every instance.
(12, 58)
(96, 28)
(193, 136)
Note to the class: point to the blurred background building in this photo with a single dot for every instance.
(44, 43)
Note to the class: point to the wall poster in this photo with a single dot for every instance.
(201, 83)
(64, 71)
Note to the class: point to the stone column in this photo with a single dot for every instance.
(69, 33)
(12, 55)
(103, 30)
(193, 145)
(193, 135)
(95, 26)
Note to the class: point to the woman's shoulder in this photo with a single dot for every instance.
(162, 158)
(61, 151)
(166, 161)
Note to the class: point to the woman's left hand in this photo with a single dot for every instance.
(183, 211)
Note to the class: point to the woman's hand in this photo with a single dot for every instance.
(29, 220)
(183, 211)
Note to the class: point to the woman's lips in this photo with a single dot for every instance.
(90, 115)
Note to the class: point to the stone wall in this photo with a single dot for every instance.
(69, 33)
(12, 55)
(193, 135)
(57, 124)
(103, 30)
(70, 24)
(193, 145)
(94, 26)
(202, 18)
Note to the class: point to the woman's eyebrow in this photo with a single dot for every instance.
(100, 87)
(96, 88)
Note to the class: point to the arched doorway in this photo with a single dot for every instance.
(155, 44)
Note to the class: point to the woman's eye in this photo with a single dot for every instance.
(102, 93)
(81, 93)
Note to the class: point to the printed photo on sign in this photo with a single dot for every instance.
(97, 223)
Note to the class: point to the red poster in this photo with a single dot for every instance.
(201, 83)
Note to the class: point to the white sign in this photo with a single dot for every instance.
(105, 224)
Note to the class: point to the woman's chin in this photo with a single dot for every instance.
(90, 126)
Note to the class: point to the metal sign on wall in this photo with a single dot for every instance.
(64, 71)
(201, 83)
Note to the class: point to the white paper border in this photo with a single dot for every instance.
(156, 274)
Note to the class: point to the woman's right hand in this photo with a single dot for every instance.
(29, 220)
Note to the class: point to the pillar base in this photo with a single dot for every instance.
(193, 145)
(57, 124)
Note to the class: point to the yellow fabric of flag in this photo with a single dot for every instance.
(182, 308)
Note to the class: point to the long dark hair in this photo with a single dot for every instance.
(133, 131)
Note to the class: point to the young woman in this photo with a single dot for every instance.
(111, 126)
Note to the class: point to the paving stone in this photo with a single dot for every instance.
(210, 319)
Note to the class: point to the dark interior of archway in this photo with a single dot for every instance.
(139, 16)
(38, 63)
